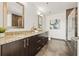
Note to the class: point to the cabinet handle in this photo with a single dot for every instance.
(24, 43)
(38, 41)
(27, 42)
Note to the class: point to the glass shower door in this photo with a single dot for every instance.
(71, 31)
(71, 24)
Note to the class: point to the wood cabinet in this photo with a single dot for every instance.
(25, 47)
(32, 48)
(13, 49)
(36, 43)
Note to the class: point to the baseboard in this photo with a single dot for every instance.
(59, 39)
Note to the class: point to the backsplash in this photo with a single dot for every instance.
(15, 33)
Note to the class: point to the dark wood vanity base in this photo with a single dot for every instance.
(29, 46)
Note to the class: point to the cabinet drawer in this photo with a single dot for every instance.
(35, 44)
(39, 41)
(33, 38)
(34, 50)
(34, 41)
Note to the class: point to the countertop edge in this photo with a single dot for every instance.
(5, 41)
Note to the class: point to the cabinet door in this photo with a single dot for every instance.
(13, 49)
(36, 43)
(0, 50)
(32, 45)
(44, 40)
(26, 47)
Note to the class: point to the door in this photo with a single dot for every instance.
(72, 24)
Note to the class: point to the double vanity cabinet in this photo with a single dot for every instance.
(28, 46)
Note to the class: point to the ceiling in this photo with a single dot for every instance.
(54, 7)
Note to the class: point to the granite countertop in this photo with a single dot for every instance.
(11, 38)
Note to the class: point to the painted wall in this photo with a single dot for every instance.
(61, 32)
(30, 18)
(78, 19)
(78, 31)
(9, 20)
(1, 14)
(15, 8)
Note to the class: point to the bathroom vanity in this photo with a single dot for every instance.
(29, 45)
(26, 44)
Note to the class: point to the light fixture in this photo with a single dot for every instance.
(38, 12)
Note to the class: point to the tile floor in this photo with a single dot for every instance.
(55, 48)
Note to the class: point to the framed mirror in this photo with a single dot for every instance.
(40, 21)
(13, 15)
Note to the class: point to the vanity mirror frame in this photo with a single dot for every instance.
(5, 12)
(40, 23)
